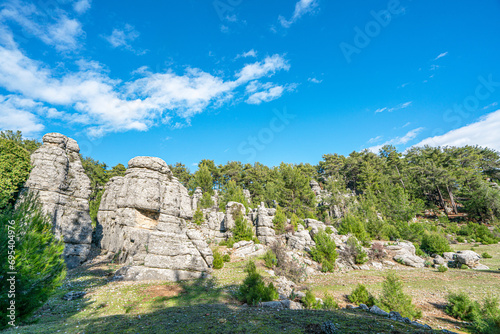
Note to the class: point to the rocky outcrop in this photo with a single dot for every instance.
(143, 217)
(264, 225)
(233, 210)
(405, 253)
(63, 189)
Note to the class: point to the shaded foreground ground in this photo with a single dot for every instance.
(208, 306)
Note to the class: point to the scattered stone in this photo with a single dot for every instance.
(378, 265)
(364, 307)
(72, 295)
(418, 324)
(378, 311)
(272, 304)
(395, 316)
(289, 304)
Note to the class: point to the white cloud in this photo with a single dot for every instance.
(494, 104)
(108, 105)
(268, 67)
(122, 38)
(17, 113)
(58, 30)
(301, 7)
(374, 140)
(81, 6)
(485, 132)
(251, 53)
(441, 55)
(398, 107)
(314, 80)
(263, 92)
(410, 135)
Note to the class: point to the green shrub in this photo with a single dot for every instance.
(229, 242)
(360, 295)
(460, 306)
(226, 258)
(354, 225)
(310, 301)
(485, 319)
(442, 269)
(325, 251)
(253, 290)
(270, 259)
(464, 266)
(435, 243)
(427, 263)
(460, 239)
(242, 230)
(478, 232)
(205, 201)
(198, 218)
(486, 256)
(295, 221)
(279, 221)
(328, 230)
(218, 260)
(356, 251)
(393, 298)
(38, 258)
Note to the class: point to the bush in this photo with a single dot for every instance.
(485, 319)
(478, 232)
(435, 243)
(355, 250)
(253, 290)
(226, 258)
(442, 269)
(353, 225)
(325, 251)
(377, 251)
(460, 306)
(270, 259)
(310, 301)
(328, 230)
(205, 201)
(218, 260)
(464, 266)
(295, 221)
(394, 299)
(286, 266)
(241, 230)
(38, 258)
(360, 295)
(486, 256)
(460, 239)
(279, 221)
(198, 218)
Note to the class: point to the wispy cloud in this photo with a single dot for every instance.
(122, 38)
(314, 80)
(17, 113)
(302, 7)
(81, 6)
(57, 30)
(252, 53)
(375, 140)
(491, 105)
(409, 136)
(391, 109)
(441, 55)
(484, 133)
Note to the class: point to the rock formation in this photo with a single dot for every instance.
(143, 216)
(63, 188)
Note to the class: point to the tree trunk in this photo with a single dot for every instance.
(453, 204)
(441, 200)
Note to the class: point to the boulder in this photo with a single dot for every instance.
(405, 253)
(289, 304)
(63, 189)
(143, 219)
(439, 260)
(248, 248)
(264, 224)
(378, 311)
(467, 257)
(315, 225)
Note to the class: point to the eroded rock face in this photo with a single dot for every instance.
(143, 216)
(264, 225)
(63, 189)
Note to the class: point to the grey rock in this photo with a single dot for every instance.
(272, 304)
(395, 316)
(378, 311)
(364, 307)
(63, 189)
(467, 257)
(405, 253)
(143, 218)
(418, 324)
(232, 210)
(72, 295)
(289, 304)
(439, 260)
(481, 267)
(449, 256)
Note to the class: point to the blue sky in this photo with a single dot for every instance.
(251, 80)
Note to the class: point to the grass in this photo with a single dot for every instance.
(208, 306)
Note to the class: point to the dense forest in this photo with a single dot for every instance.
(389, 195)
